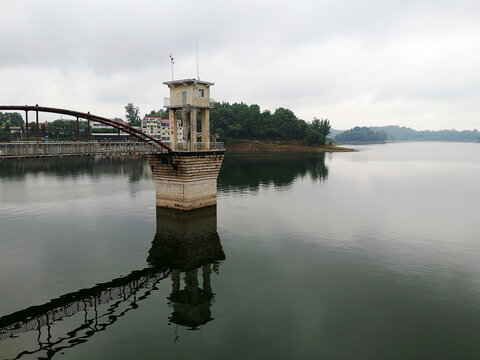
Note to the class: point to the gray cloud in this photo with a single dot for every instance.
(411, 63)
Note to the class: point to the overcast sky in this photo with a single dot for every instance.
(372, 62)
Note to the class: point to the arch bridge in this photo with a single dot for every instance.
(185, 174)
(138, 134)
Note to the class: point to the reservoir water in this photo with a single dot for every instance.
(366, 255)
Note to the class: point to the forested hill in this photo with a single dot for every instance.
(244, 121)
(398, 133)
(361, 134)
(395, 132)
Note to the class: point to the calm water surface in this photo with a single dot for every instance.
(366, 255)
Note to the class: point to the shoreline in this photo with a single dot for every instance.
(269, 146)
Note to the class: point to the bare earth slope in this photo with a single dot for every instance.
(270, 146)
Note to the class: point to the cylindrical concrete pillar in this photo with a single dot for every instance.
(193, 128)
(174, 123)
(206, 129)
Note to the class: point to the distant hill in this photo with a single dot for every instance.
(402, 133)
(334, 132)
(361, 134)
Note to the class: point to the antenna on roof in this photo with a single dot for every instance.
(198, 74)
(171, 60)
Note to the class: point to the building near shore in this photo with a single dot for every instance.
(99, 126)
(15, 129)
(160, 129)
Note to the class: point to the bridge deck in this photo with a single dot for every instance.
(17, 150)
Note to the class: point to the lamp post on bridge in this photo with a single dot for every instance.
(88, 132)
(77, 130)
(88, 127)
(36, 131)
(26, 120)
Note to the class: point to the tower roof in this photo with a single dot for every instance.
(187, 81)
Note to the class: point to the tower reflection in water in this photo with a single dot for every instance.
(189, 245)
(186, 248)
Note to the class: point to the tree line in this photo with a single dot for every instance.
(402, 133)
(239, 121)
(59, 129)
(361, 134)
(7, 120)
(242, 121)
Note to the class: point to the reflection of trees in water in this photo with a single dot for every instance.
(186, 245)
(135, 167)
(251, 171)
(238, 171)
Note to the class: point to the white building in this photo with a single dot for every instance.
(96, 125)
(160, 129)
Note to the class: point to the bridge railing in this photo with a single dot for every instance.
(190, 99)
(197, 146)
(23, 149)
(65, 148)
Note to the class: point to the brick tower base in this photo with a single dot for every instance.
(186, 180)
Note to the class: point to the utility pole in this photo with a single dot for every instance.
(172, 62)
(198, 74)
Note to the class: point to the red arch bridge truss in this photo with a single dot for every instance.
(140, 135)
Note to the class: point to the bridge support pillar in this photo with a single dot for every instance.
(186, 180)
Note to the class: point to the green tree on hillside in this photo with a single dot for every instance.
(361, 134)
(160, 113)
(244, 121)
(318, 131)
(132, 114)
(43, 130)
(62, 128)
(5, 135)
(15, 119)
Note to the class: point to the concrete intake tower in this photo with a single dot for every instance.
(186, 177)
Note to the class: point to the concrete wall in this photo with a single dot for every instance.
(193, 97)
(176, 90)
(186, 181)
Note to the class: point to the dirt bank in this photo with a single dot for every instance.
(266, 146)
